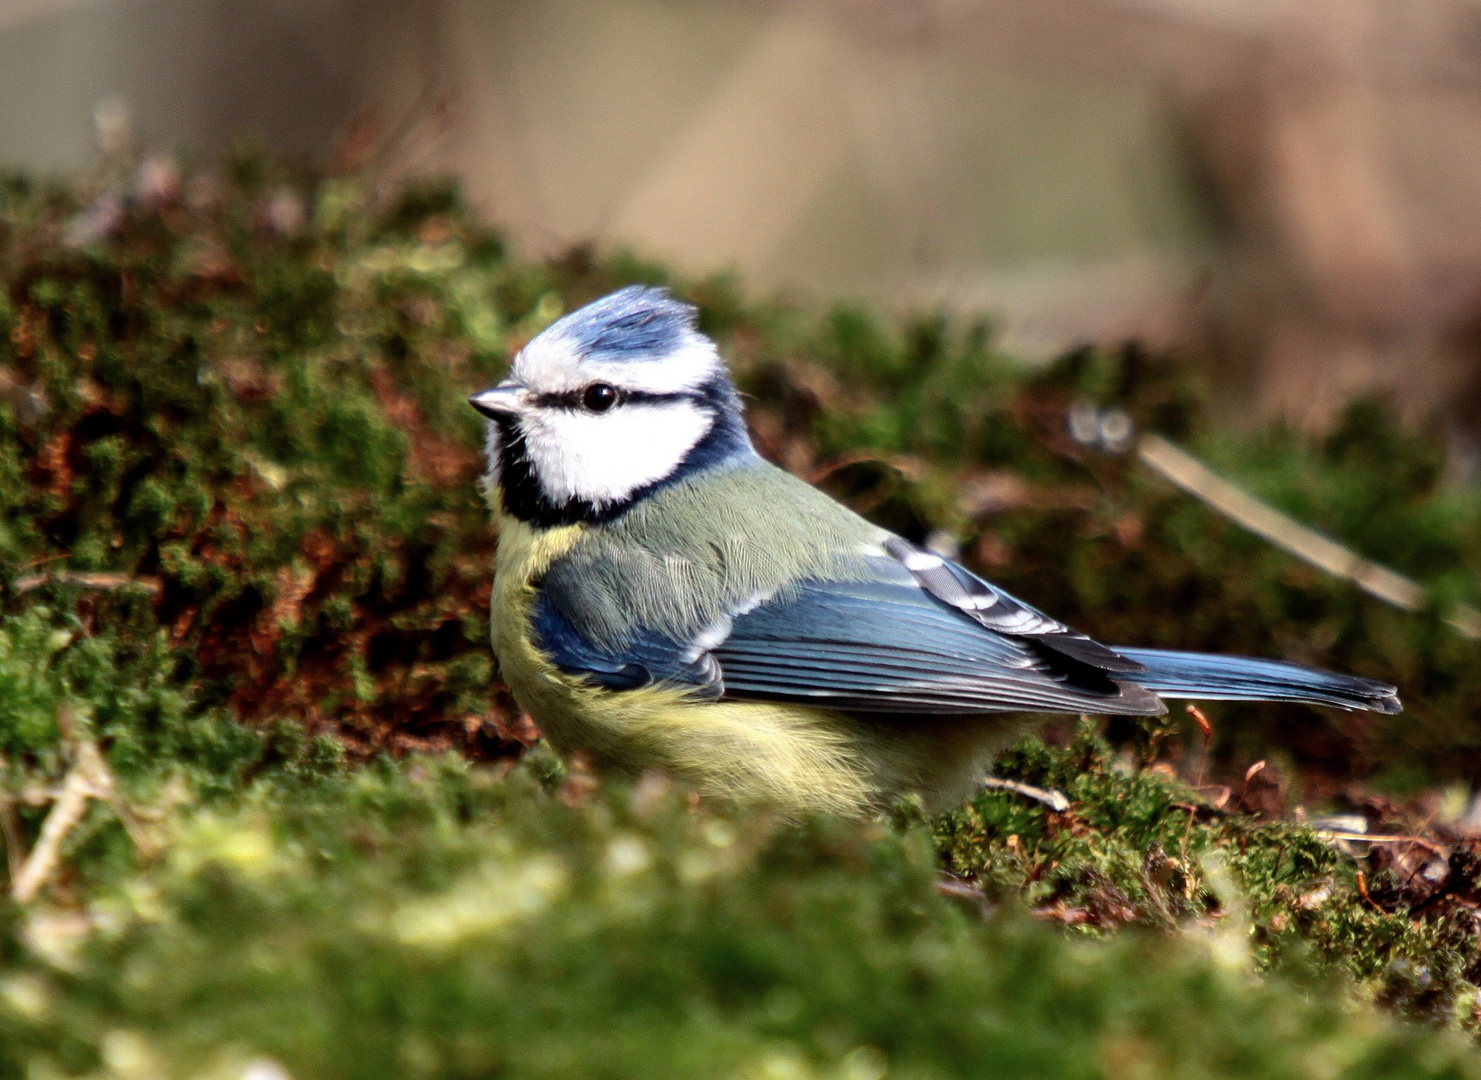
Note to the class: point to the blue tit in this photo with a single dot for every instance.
(666, 599)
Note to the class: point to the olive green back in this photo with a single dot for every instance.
(698, 549)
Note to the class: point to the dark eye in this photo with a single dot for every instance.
(599, 397)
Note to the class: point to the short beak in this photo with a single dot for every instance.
(502, 400)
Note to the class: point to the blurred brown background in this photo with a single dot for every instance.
(1291, 187)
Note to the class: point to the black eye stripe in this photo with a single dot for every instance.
(572, 399)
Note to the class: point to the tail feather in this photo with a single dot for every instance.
(1207, 677)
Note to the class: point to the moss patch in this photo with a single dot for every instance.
(432, 920)
(244, 557)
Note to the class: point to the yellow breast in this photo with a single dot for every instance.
(798, 758)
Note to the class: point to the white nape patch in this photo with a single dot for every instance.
(552, 364)
(603, 458)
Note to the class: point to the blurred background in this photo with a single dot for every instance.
(1292, 188)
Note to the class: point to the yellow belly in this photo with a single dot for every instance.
(797, 758)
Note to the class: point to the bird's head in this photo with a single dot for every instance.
(607, 405)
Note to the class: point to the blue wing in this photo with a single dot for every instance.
(1206, 677)
(923, 636)
(889, 645)
(892, 647)
(648, 658)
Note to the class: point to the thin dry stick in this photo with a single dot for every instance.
(89, 778)
(106, 788)
(15, 850)
(1055, 800)
(10, 829)
(64, 815)
(87, 580)
(1369, 838)
(1192, 476)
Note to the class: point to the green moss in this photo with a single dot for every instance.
(242, 548)
(1137, 848)
(274, 426)
(432, 920)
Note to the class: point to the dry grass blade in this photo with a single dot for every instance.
(89, 778)
(63, 817)
(1190, 474)
(86, 580)
(10, 829)
(1369, 838)
(1055, 800)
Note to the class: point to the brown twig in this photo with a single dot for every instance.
(1363, 892)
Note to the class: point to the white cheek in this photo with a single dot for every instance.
(603, 458)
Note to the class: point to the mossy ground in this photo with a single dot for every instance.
(244, 554)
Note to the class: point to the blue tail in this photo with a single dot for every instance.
(1206, 677)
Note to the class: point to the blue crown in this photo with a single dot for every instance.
(633, 323)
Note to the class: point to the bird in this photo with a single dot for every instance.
(666, 599)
